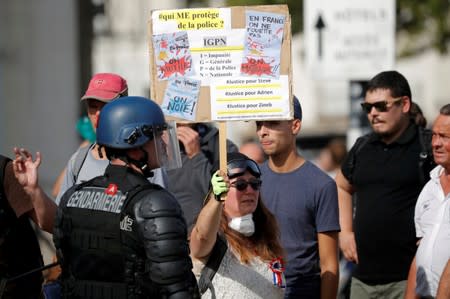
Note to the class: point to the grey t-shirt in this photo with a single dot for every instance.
(93, 167)
(304, 202)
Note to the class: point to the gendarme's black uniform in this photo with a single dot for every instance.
(122, 237)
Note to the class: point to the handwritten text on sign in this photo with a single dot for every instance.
(263, 44)
(173, 58)
(166, 21)
(181, 97)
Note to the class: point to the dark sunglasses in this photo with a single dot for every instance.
(238, 167)
(381, 106)
(241, 185)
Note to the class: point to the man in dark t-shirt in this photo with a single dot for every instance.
(384, 174)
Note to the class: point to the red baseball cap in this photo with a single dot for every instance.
(105, 87)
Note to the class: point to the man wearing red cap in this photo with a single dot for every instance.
(105, 87)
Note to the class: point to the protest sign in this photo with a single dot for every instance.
(218, 64)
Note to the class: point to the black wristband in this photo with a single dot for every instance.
(219, 198)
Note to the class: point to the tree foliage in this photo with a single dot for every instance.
(426, 23)
(423, 24)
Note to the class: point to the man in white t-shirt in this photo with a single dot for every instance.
(432, 217)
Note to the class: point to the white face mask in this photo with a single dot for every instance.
(243, 225)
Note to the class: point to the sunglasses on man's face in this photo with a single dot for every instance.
(381, 106)
(241, 185)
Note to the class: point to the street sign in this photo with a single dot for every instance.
(349, 39)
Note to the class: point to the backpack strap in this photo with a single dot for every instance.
(359, 144)
(79, 159)
(425, 136)
(426, 160)
(211, 267)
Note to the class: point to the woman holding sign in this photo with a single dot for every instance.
(237, 239)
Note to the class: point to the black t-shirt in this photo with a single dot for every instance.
(387, 182)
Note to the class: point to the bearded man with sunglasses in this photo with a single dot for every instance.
(384, 175)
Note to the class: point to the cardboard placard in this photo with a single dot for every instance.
(220, 64)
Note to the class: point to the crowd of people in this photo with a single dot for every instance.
(126, 224)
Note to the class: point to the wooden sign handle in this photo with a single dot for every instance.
(223, 145)
(223, 149)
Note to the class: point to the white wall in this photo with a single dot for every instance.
(39, 85)
(39, 79)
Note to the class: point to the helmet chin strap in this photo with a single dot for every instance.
(142, 164)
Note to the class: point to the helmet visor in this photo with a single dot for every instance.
(167, 147)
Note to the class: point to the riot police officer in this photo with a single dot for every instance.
(119, 236)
